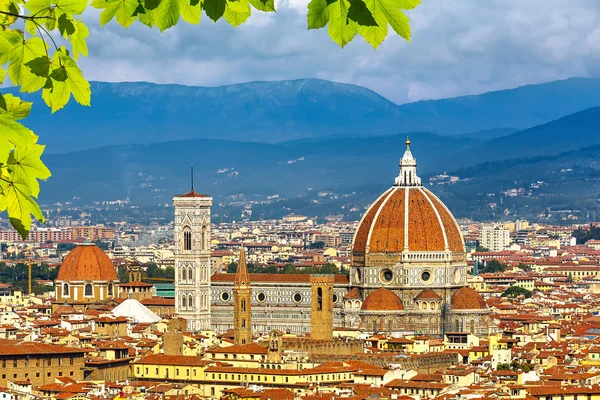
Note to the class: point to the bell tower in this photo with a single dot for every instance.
(242, 305)
(192, 259)
(321, 312)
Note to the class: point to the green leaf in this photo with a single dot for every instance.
(167, 14)
(359, 13)
(14, 132)
(3, 105)
(39, 66)
(190, 13)
(148, 18)
(20, 204)
(408, 4)
(66, 81)
(266, 5)
(66, 25)
(318, 14)
(15, 108)
(341, 29)
(71, 6)
(37, 7)
(2, 75)
(122, 9)
(78, 40)
(151, 4)
(237, 12)
(27, 166)
(19, 55)
(214, 9)
(375, 35)
(396, 18)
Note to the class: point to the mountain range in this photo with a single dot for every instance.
(323, 145)
(272, 112)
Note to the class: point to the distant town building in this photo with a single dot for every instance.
(494, 237)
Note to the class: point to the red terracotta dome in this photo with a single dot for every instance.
(408, 218)
(382, 299)
(466, 298)
(87, 262)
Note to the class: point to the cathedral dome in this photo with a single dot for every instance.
(407, 217)
(382, 299)
(87, 262)
(466, 298)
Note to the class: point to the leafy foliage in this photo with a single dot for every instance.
(516, 291)
(492, 266)
(33, 62)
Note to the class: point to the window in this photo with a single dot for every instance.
(190, 302)
(190, 274)
(297, 297)
(65, 289)
(110, 289)
(243, 305)
(88, 290)
(187, 239)
(319, 299)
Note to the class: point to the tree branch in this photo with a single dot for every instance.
(31, 17)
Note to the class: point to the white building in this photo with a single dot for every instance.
(494, 237)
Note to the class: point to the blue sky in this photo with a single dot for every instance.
(458, 47)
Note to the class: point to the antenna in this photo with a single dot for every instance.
(192, 176)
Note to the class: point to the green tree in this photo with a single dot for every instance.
(316, 245)
(516, 291)
(492, 266)
(33, 61)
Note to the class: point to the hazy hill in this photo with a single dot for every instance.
(126, 113)
(520, 108)
(572, 132)
(153, 173)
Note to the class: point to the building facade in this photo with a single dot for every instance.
(408, 274)
(494, 237)
(192, 259)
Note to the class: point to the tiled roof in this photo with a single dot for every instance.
(430, 226)
(15, 347)
(87, 262)
(283, 278)
(466, 298)
(382, 299)
(250, 348)
(163, 359)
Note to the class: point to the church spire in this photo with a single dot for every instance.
(408, 169)
(241, 274)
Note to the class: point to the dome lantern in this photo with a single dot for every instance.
(408, 169)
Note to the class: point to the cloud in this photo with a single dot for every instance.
(457, 48)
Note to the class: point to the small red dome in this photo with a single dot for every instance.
(382, 299)
(466, 298)
(87, 262)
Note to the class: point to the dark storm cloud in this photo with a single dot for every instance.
(458, 47)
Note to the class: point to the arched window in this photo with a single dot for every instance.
(472, 326)
(187, 239)
(110, 289)
(203, 239)
(65, 290)
(183, 302)
(457, 325)
(243, 305)
(190, 302)
(190, 273)
(88, 290)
